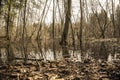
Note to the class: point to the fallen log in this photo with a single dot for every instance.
(29, 59)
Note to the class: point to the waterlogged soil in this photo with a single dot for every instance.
(61, 70)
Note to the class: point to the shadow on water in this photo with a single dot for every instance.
(37, 51)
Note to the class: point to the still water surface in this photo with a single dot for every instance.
(98, 52)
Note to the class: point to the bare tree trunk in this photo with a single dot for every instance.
(86, 29)
(61, 17)
(8, 20)
(0, 6)
(63, 41)
(81, 24)
(23, 34)
(67, 24)
(113, 19)
(53, 28)
(119, 21)
(10, 54)
(0, 56)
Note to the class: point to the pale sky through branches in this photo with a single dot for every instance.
(75, 9)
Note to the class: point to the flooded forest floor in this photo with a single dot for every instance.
(61, 70)
(65, 68)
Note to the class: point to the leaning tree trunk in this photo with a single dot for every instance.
(40, 27)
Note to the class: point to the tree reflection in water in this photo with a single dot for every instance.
(37, 51)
